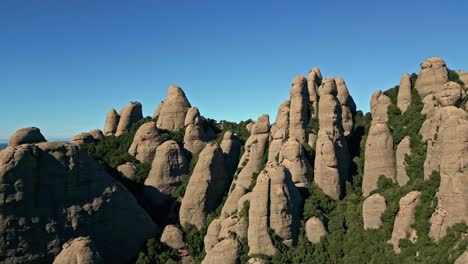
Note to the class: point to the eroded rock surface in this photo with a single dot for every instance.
(405, 219)
(26, 135)
(372, 209)
(171, 113)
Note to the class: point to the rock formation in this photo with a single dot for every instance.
(206, 187)
(197, 132)
(145, 142)
(230, 145)
(168, 169)
(449, 94)
(315, 230)
(82, 138)
(293, 157)
(348, 107)
(128, 116)
(112, 121)
(332, 155)
(54, 192)
(79, 251)
(314, 79)
(448, 154)
(405, 219)
(27, 135)
(96, 134)
(279, 131)
(404, 93)
(172, 112)
(127, 170)
(402, 151)
(432, 76)
(372, 209)
(227, 251)
(463, 258)
(172, 237)
(298, 111)
(379, 156)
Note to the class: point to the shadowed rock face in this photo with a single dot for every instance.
(81, 250)
(128, 116)
(171, 113)
(54, 192)
(26, 136)
(292, 156)
(112, 121)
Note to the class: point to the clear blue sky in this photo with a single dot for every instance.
(64, 64)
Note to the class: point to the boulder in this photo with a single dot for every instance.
(227, 251)
(449, 94)
(463, 258)
(96, 134)
(294, 158)
(402, 151)
(404, 93)
(53, 192)
(173, 110)
(298, 111)
(432, 76)
(405, 219)
(28, 135)
(131, 114)
(168, 169)
(145, 142)
(315, 230)
(172, 237)
(112, 121)
(206, 187)
(80, 250)
(82, 138)
(372, 209)
(127, 170)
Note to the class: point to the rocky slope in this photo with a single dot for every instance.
(325, 183)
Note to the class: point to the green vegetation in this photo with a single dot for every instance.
(238, 128)
(157, 253)
(453, 77)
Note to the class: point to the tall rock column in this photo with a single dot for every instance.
(298, 112)
(314, 79)
(348, 107)
(379, 156)
(112, 121)
(404, 93)
(332, 155)
(404, 220)
(128, 116)
(279, 131)
(145, 142)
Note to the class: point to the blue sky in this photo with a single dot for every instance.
(64, 64)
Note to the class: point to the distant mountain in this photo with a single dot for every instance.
(3, 145)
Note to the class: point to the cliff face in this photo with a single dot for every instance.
(323, 183)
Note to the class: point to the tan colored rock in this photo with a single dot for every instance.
(372, 209)
(279, 132)
(313, 141)
(463, 75)
(404, 219)
(173, 110)
(172, 237)
(257, 261)
(157, 112)
(168, 169)
(145, 142)
(332, 155)
(112, 121)
(348, 107)
(82, 138)
(249, 127)
(314, 79)
(379, 156)
(53, 189)
(379, 106)
(230, 145)
(315, 230)
(285, 204)
(211, 237)
(432, 76)
(328, 86)
(78, 251)
(402, 151)
(197, 133)
(298, 110)
(128, 116)
(258, 238)
(96, 134)
(227, 251)
(430, 106)
(449, 155)
(206, 187)
(28, 135)
(262, 125)
(127, 170)
(463, 258)
(404, 93)
(293, 157)
(449, 94)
